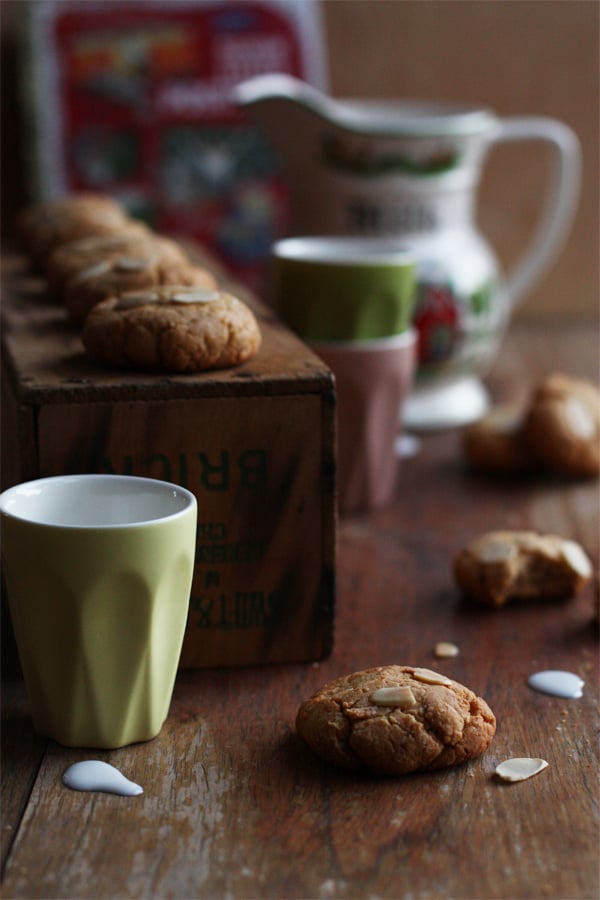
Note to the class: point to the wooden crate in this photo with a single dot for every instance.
(255, 444)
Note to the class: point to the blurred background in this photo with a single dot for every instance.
(523, 57)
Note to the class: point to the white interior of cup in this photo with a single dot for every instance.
(342, 251)
(95, 501)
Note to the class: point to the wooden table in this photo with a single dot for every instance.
(236, 806)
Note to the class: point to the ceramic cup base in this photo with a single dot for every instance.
(373, 379)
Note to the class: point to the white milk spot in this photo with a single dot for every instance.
(95, 775)
(559, 684)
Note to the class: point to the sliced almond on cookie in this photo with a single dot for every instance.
(575, 557)
(401, 696)
(496, 551)
(579, 419)
(195, 295)
(428, 676)
(92, 271)
(132, 264)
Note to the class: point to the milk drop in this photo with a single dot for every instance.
(559, 684)
(95, 775)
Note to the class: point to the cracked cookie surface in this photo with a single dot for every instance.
(392, 720)
(503, 565)
(172, 329)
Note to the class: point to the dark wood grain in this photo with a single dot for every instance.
(236, 806)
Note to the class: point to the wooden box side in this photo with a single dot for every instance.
(18, 438)
(263, 473)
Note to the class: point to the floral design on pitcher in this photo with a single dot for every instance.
(437, 320)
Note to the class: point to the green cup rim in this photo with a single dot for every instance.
(10, 497)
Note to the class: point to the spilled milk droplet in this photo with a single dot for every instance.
(558, 683)
(95, 775)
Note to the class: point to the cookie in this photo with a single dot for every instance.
(393, 720)
(495, 443)
(172, 329)
(562, 427)
(504, 565)
(76, 256)
(157, 263)
(44, 226)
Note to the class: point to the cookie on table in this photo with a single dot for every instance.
(68, 259)
(157, 263)
(175, 329)
(392, 720)
(562, 426)
(505, 565)
(495, 442)
(44, 226)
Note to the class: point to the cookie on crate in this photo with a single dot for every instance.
(503, 565)
(392, 720)
(562, 426)
(44, 226)
(85, 253)
(176, 329)
(156, 263)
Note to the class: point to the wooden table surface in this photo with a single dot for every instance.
(235, 806)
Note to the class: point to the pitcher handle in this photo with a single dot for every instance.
(561, 199)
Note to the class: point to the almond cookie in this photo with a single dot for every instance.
(172, 329)
(156, 263)
(495, 443)
(392, 720)
(504, 565)
(44, 226)
(562, 428)
(76, 256)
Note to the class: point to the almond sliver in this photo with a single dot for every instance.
(520, 768)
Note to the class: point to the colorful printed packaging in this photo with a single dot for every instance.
(134, 99)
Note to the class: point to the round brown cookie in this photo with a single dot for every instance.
(392, 720)
(495, 443)
(44, 226)
(172, 329)
(503, 565)
(155, 264)
(562, 427)
(68, 259)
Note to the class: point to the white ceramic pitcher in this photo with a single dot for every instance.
(408, 173)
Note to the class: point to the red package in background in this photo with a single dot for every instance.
(134, 99)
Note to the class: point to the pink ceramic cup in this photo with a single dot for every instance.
(373, 378)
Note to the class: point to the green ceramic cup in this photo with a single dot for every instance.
(343, 288)
(98, 571)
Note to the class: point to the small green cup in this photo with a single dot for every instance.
(343, 288)
(98, 571)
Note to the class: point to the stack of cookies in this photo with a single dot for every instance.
(138, 298)
(558, 431)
